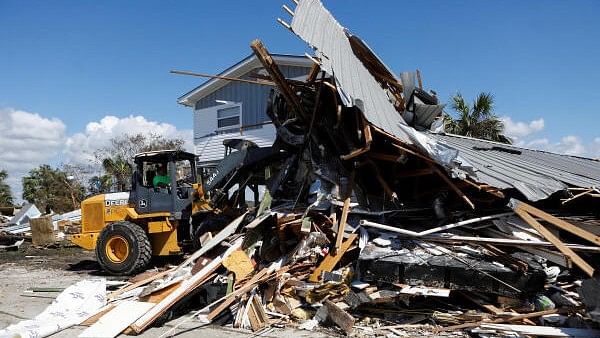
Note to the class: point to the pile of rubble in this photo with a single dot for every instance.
(28, 223)
(374, 224)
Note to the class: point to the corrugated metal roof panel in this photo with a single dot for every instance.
(537, 174)
(313, 23)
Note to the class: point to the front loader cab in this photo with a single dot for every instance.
(162, 182)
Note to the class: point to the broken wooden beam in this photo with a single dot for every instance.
(276, 75)
(564, 225)
(330, 261)
(520, 210)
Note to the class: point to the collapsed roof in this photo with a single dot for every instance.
(365, 82)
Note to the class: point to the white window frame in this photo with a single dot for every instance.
(227, 106)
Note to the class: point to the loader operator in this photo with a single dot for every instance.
(161, 180)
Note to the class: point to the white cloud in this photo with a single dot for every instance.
(570, 145)
(518, 129)
(79, 148)
(26, 141)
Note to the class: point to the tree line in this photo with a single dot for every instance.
(62, 188)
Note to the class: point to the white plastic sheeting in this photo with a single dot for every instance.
(74, 305)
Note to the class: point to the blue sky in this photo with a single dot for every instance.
(76, 62)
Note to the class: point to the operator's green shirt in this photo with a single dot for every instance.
(159, 179)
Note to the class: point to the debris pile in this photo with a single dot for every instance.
(371, 224)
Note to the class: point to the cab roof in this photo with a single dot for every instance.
(165, 155)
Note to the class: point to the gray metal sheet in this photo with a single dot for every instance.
(313, 23)
(537, 174)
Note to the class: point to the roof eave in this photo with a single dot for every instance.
(239, 69)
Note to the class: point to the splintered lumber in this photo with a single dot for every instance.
(342, 224)
(331, 260)
(234, 295)
(157, 296)
(142, 282)
(229, 230)
(564, 225)
(42, 230)
(517, 206)
(453, 186)
(337, 315)
(118, 319)
(271, 67)
(183, 290)
(504, 320)
(256, 314)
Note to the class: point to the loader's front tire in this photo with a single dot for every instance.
(123, 248)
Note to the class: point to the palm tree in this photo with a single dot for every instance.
(5, 193)
(120, 169)
(476, 121)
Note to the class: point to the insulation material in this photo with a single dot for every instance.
(74, 305)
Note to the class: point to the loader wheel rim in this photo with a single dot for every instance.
(117, 249)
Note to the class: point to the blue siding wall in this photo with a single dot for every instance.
(254, 97)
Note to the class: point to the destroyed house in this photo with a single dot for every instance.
(226, 109)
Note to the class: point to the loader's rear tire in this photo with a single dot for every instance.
(123, 248)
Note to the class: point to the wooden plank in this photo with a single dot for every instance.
(330, 261)
(117, 320)
(340, 317)
(184, 289)
(158, 296)
(256, 314)
(583, 265)
(233, 296)
(342, 224)
(504, 320)
(271, 67)
(564, 225)
(142, 282)
(42, 230)
(419, 80)
(93, 319)
(213, 242)
(453, 186)
(184, 72)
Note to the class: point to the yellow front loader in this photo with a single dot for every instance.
(127, 228)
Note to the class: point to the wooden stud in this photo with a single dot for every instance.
(564, 225)
(234, 295)
(453, 186)
(145, 281)
(419, 80)
(330, 261)
(271, 67)
(583, 265)
(342, 224)
(184, 72)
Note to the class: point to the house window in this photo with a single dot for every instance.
(228, 117)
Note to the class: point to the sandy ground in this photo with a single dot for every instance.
(58, 268)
